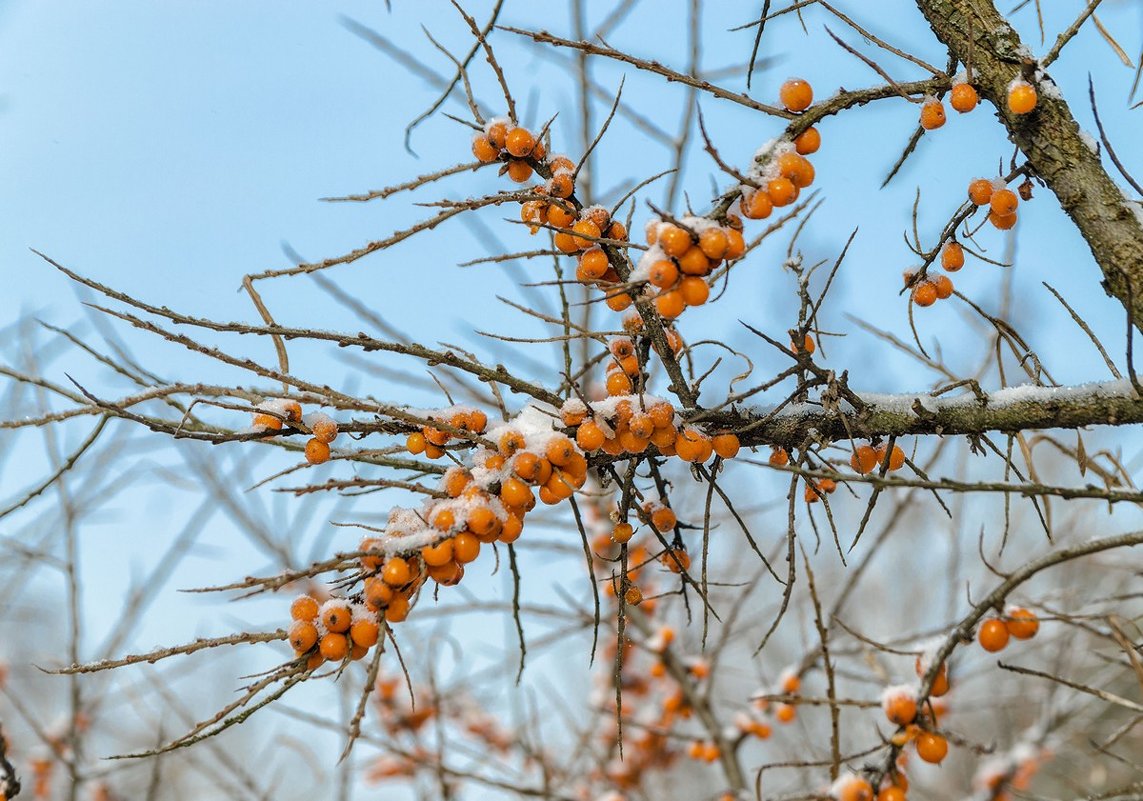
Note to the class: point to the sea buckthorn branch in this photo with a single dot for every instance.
(1050, 138)
(361, 340)
(962, 632)
(151, 657)
(1018, 409)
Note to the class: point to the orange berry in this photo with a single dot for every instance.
(896, 458)
(630, 366)
(511, 442)
(633, 596)
(437, 555)
(484, 523)
(585, 228)
(713, 243)
(797, 169)
(561, 164)
(980, 191)
(560, 185)
(599, 216)
(932, 114)
(561, 217)
(674, 240)
(617, 231)
(497, 133)
(785, 713)
(1022, 623)
(514, 492)
(465, 548)
(519, 171)
(622, 532)
(891, 793)
(267, 422)
(736, 245)
(782, 191)
(676, 559)
(900, 708)
(618, 383)
(808, 345)
(993, 635)
(1002, 221)
(791, 682)
(796, 94)
(725, 445)
(590, 436)
(856, 789)
(662, 414)
(779, 457)
(397, 572)
(364, 633)
(663, 519)
(664, 274)
(670, 304)
(484, 150)
(292, 410)
(415, 443)
(944, 286)
(535, 212)
(315, 661)
(952, 257)
(864, 459)
(641, 425)
(1004, 202)
(688, 444)
(377, 593)
(560, 451)
(304, 608)
(324, 429)
(757, 205)
(964, 98)
(336, 617)
(932, 747)
(694, 290)
(808, 141)
(925, 293)
(316, 451)
(334, 647)
(594, 263)
(1021, 97)
(619, 301)
(694, 261)
(398, 609)
(303, 636)
(444, 520)
(512, 529)
(519, 142)
(455, 481)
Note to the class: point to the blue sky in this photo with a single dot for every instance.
(170, 148)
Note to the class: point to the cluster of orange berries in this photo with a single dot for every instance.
(1016, 622)
(1022, 99)
(757, 721)
(680, 258)
(332, 631)
(1002, 202)
(431, 441)
(272, 414)
(867, 458)
(631, 423)
(786, 169)
(514, 144)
